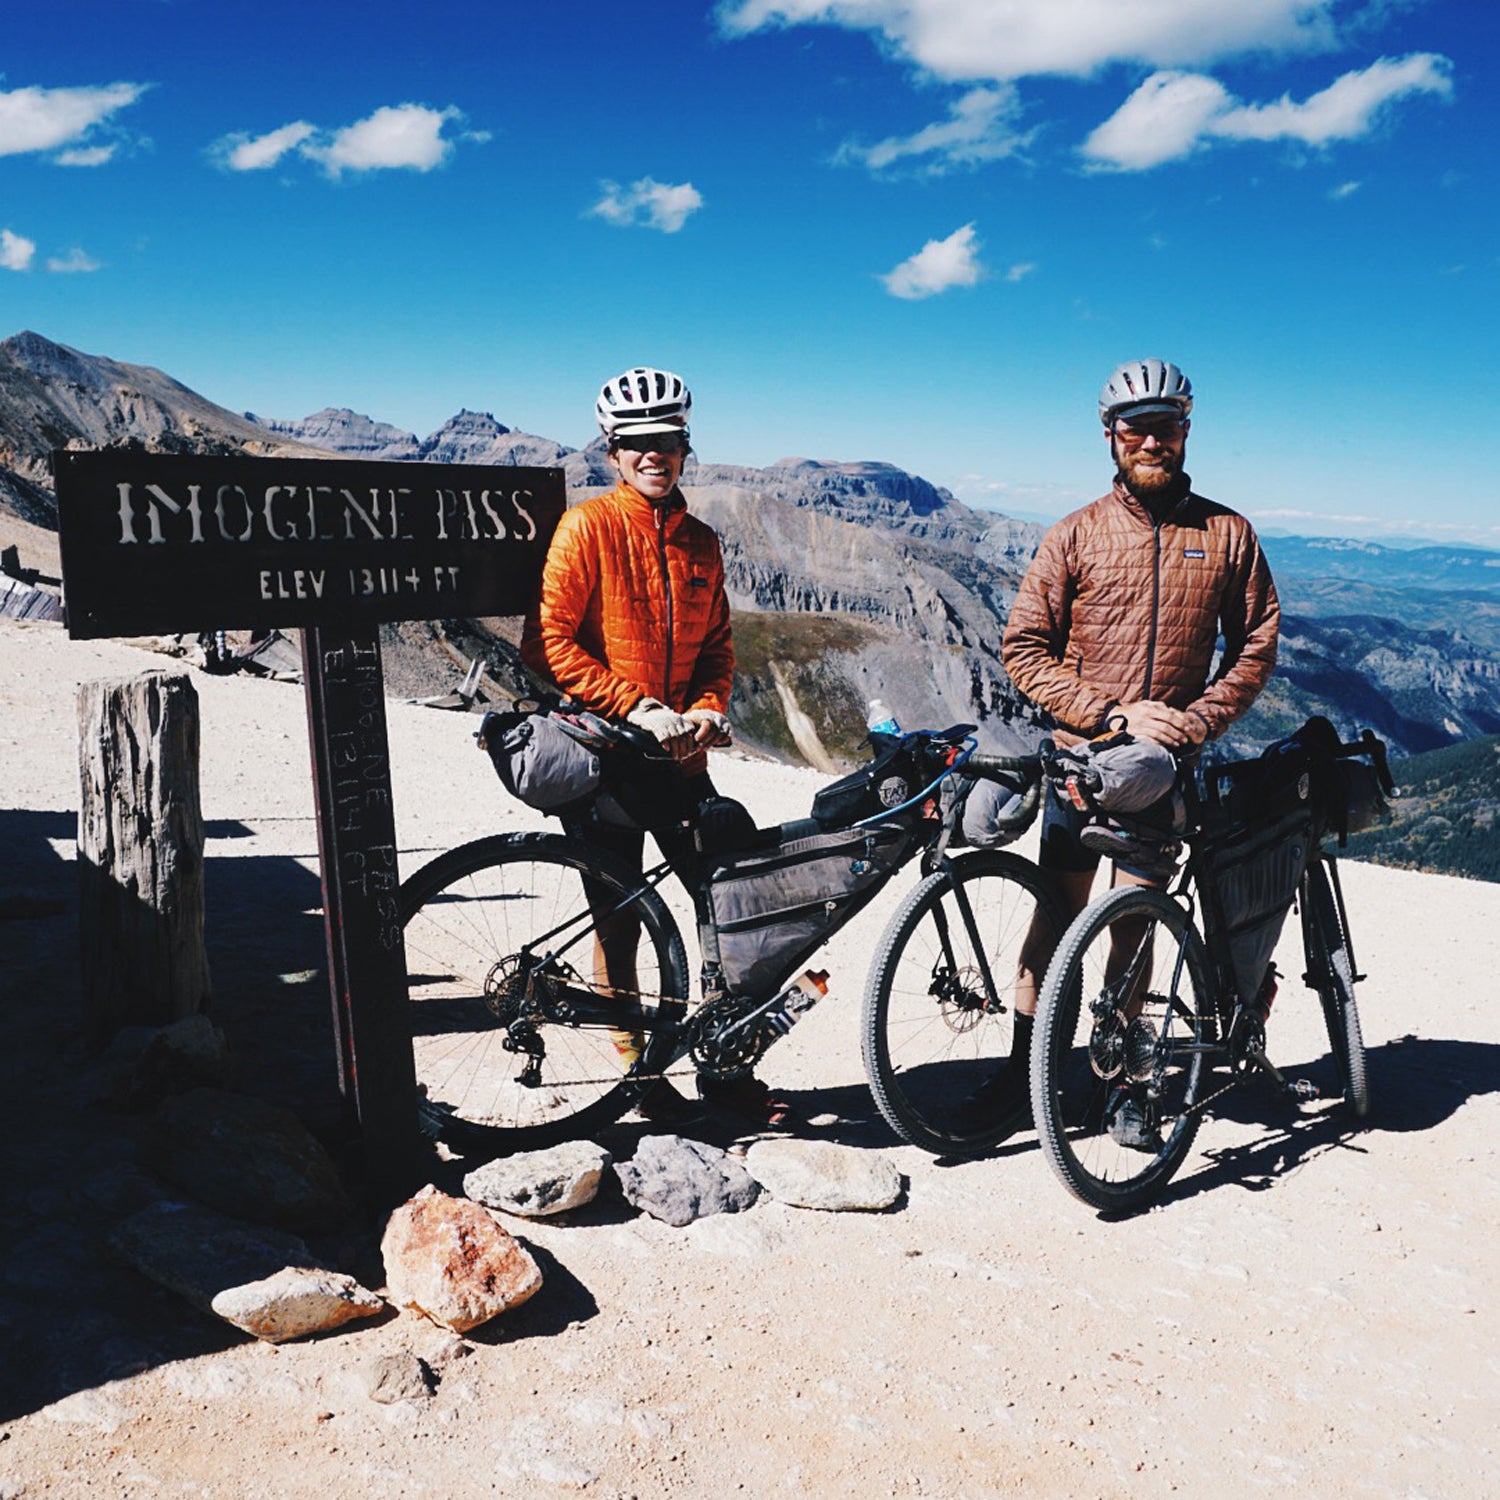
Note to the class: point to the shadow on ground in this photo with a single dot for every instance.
(71, 1319)
(1416, 1083)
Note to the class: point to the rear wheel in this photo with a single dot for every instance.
(1331, 972)
(516, 1044)
(938, 1016)
(1118, 1054)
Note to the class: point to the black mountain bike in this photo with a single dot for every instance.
(1150, 991)
(516, 1035)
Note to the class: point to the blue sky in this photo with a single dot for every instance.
(914, 230)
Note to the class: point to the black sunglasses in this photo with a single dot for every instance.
(653, 442)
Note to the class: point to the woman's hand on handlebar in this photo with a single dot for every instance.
(673, 731)
(711, 729)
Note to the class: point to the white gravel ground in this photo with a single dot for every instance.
(1310, 1310)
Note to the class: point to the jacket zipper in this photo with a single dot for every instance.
(1155, 604)
(1156, 526)
(666, 585)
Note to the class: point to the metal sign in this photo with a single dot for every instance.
(158, 544)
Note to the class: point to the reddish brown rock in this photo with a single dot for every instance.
(453, 1261)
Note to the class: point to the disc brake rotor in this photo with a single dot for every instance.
(960, 996)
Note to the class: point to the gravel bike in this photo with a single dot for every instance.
(516, 1030)
(1150, 991)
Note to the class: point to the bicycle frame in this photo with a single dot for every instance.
(1240, 1042)
(671, 1036)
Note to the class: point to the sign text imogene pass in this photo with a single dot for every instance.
(156, 544)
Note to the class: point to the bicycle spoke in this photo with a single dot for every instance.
(511, 1045)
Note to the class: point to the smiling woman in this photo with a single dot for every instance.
(633, 622)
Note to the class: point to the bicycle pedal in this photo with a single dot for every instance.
(1303, 1090)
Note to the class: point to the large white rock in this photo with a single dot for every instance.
(823, 1174)
(538, 1184)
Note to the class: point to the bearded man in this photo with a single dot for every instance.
(1117, 619)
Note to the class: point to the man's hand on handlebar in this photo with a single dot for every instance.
(1160, 722)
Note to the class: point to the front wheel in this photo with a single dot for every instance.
(1331, 972)
(518, 1039)
(938, 1011)
(1118, 1055)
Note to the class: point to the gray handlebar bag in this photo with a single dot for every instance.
(1132, 777)
(539, 761)
(1117, 774)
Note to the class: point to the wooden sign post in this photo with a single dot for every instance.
(157, 544)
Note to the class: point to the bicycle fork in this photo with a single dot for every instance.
(992, 1003)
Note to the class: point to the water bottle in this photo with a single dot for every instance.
(881, 720)
(796, 1000)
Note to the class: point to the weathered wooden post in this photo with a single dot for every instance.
(140, 852)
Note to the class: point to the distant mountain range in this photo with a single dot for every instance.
(1423, 566)
(849, 580)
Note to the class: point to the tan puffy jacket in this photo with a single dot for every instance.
(1115, 608)
(632, 606)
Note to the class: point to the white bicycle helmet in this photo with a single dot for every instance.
(1141, 386)
(643, 400)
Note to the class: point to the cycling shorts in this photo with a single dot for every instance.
(1061, 849)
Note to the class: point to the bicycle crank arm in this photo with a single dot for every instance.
(1302, 1090)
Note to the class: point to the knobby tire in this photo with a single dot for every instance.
(1331, 973)
(1125, 945)
(470, 913)
(932, 1032)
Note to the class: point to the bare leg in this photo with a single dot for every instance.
(616, 943)
(1070, 891)
(1125, 940)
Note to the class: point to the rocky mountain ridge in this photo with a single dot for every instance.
(55, 397)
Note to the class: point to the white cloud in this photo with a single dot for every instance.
(245, 153)
(16, 253)
(34, 119)
(1165, 118)
(1347, 108)
(75, 261)
(85, 156)
(1345, 190)
(409, 136)
(980, 128)
(938, 265)
(1008, 39)
(396, 135)
(1020, 272)
(1172, 115)
(657, 205)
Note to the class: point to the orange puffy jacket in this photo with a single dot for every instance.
(1116, 607)
(633, 606)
